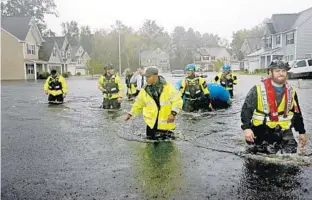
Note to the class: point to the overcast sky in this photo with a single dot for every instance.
(220, 17)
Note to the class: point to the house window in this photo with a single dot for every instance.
(30, 69)
(205, 57)
(31, 49)
(54, 52)
(278, 40)
(79, 61)
(290, 38)
(163, 61)
(308, 55)
(213, 57)
(63, 54)
(68, 54)
(268, 42)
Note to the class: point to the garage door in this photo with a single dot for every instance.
(253, 65)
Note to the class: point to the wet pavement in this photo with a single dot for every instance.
(79, 151)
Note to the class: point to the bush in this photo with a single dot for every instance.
(66, 74)
(43, 75)
(261, 71)
(78, 73)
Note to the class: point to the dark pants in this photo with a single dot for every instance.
(58, 98)
(154, 133)
(272, 140)
(231, 93)
(195, 105)
(218, 104)
(111, 103)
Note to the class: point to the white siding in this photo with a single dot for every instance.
(304, 39)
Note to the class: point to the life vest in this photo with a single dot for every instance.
(268, 113)
(55, 84)
(110, 86)
(224, 82)
(192, 88)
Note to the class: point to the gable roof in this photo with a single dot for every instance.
(254, 42)
(74, 50)
(46, 49)
(284, 22)
(17, 26)
(212, 51)
(158, 53)
(59, 40)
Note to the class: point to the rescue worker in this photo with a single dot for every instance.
(270, 110)
(227, 79)
(55, 86)
(195, 92)
(160, 103)
(131, 88)
(112, 89)
(138, 79)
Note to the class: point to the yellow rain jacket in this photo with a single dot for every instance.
(112, 87)
(222, 80)
(170, 100)
(195, 85)
(261, 114)
(56, 86)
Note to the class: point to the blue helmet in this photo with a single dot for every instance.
(190, 67)
(226, 67)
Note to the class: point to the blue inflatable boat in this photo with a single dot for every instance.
(219, 95)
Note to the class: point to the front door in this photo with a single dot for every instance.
(30, 71)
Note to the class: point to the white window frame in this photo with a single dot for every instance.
(292, 40)
(280, 38)
(206, 57)
(308, 57)
(54, 52)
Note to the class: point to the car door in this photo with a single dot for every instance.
(300, 69)
(309, 68)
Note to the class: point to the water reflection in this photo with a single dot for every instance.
(269, 181)
(159, 170)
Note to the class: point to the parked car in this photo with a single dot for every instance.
(301, 69)
(178, 73)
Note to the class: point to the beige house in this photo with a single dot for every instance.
(204, 58)
(20, 44)
(25, 53)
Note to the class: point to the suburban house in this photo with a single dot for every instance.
(20, 44)
(204, 58)
(25, 53)
(251, 44)
(157, 58)
(287, 36)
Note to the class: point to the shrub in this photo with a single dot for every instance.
(66, 74)
(43, 75)
(78, 73)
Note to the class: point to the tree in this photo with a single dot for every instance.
(49, 33)
(34, 8)
(70, 29)
(94, 67)
(218, 64)
(86, 38)
(237, 42)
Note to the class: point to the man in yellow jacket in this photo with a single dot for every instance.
(160, 102)
(227, 79)
(112, 89)
(55, 86)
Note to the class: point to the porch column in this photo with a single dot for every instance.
(271, 57)
(61, 69)
(265, 61)
(35, 70)
(25, 71)
(42, 67)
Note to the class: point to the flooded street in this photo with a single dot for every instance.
(79, 151)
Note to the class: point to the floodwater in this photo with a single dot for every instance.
(79, 151)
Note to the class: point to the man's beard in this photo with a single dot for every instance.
(279, 79)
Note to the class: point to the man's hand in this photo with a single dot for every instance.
(46, 92)
(302, 141)
(102, 89)
(127, 117)
(171, 118)
(119, 99)
(249, 135)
